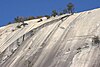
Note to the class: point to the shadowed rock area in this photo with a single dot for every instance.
(61, 41)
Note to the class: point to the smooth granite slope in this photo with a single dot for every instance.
(62, 41)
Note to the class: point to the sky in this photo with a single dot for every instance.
(9, 9)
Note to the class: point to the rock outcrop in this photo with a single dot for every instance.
(61, 41)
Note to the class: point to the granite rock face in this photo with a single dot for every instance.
(61, 41)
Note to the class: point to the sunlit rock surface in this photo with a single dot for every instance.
(61, 41)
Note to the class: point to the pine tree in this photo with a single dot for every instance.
(54, 13)
(70, 8)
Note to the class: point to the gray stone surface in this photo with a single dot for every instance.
(54, 42)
